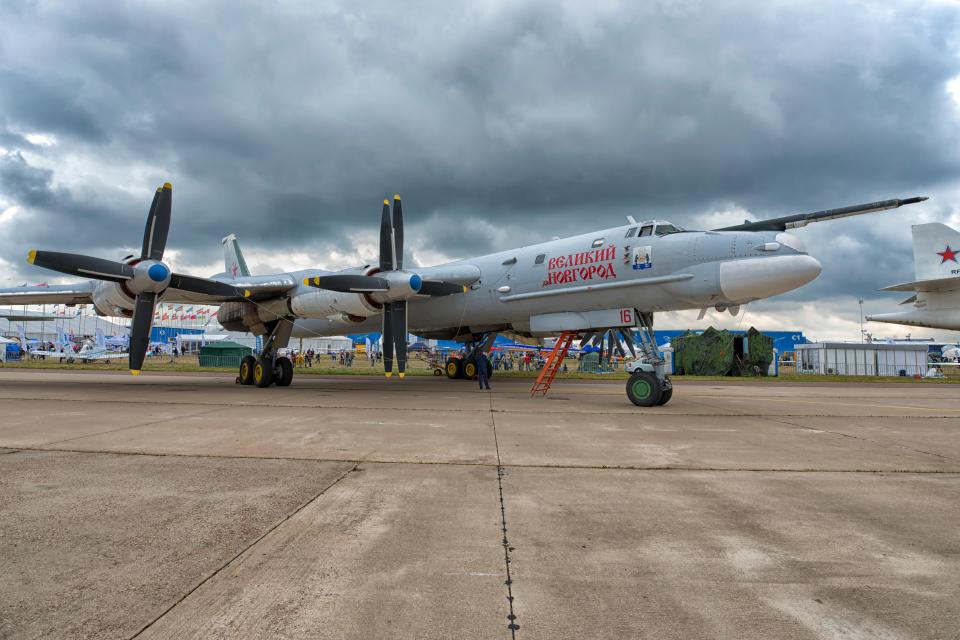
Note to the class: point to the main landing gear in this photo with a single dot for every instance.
(649, 385)
(466, 367)
(269, 368)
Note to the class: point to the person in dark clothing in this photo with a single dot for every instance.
(483, 369)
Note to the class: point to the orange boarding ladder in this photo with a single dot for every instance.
(553, 364)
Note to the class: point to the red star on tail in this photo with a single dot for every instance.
(947, 254)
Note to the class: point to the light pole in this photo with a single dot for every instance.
(862, 330)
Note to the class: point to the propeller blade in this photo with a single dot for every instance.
(386, 239)
(440, 288)
(158, 224)
(75, 264)
(348, 283)
(398, 311)
(397, 234)
(204, 286)
(388, 339)
(140, 330)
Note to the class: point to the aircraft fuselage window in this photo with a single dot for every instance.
(597, 243)
(666, 229)
(539, 259)
(646, 231)
(632, 231)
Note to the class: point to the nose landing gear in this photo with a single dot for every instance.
(649, 385)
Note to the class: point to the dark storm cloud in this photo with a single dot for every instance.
(520, 120)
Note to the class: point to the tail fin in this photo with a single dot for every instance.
(101, 340)
(936, 251)
(233, 262)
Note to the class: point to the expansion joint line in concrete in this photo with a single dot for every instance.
(132, 426)
(247, 548)
(512, 617)
(893, 445)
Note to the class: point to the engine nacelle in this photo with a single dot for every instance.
(110, 299)
(247, 316)
(322, 304)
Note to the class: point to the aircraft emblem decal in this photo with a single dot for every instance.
(642, 257)
(234, 269)
(947, 254)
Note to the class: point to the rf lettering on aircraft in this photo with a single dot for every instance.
(610, 280)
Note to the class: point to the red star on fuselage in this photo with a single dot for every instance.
(947, 254)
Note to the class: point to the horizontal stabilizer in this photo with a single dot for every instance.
(934, 284)
(803, 219)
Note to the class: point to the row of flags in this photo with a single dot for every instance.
(183, 312)
(162, 312)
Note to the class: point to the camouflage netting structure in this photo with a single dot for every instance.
(721, 353)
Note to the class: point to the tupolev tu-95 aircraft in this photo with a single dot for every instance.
(605, 282)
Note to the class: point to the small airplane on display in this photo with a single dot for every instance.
(96, 349)
(936, 265)
(591, 284)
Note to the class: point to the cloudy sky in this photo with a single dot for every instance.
(501, 123)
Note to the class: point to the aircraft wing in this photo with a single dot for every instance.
(79, 293)
(803, 219)
(266, 287)
(103, 355)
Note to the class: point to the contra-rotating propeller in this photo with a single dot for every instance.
(390, 286)
(144, 278)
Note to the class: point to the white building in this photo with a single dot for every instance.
(862, 359)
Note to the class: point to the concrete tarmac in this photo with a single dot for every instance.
(185, 506)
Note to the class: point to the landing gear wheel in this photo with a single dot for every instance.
(454, 368)
(262, 374)
(438, 371)
(284, 372)
(470, 369)
(667, 392)
(644, 389)
(246, 369)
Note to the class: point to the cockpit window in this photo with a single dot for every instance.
(632, 231)
(646, 231)
(667, 229)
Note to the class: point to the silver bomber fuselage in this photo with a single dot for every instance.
(602, 270)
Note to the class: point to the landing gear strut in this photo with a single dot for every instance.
(649, 385)
(269, 368)
(466, 367)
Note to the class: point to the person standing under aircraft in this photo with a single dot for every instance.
(483, 370)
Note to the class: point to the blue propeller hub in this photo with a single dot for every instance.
(416, 282)
(158, 272)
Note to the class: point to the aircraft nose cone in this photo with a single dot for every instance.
(755, 278)
(158, 272)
